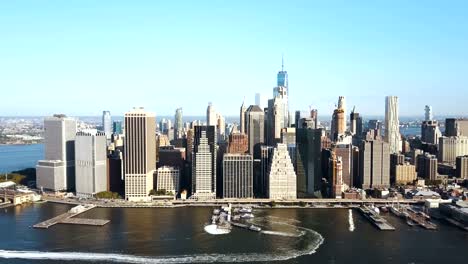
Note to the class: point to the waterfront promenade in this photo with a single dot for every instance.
(305, 203)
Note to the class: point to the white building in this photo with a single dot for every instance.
(211, 116)
(392, 124)
(90, 163)
(202, 173)
(282, 178)
(139, 154)
(57, 171)
(452, 147)
(107, 124)
(167, 178)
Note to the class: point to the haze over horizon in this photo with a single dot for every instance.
(82, 57)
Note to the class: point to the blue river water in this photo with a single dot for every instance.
(17, 157)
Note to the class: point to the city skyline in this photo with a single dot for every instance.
(158, 50)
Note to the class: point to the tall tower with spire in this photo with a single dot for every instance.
(242, 117)
(282, 77)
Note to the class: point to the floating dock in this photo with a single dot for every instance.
(375, 219)
(68, 218)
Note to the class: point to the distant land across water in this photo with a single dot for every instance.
(18, 157)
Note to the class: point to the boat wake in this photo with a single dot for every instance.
(312, 241)
(351, 220)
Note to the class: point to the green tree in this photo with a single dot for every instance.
(108, 195)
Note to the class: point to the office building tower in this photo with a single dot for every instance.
(338, 123)
(117, 128)
(392, 124)
(344, 151)
(462, 167)
(374, 124)
(374, 164)
(165, 126)
(427, 166)
(242, 124)
(167, 179)
(211, 115)
(254, 120)
(261, 180)
(355, 123)
(428, 113)
(405, 173)
(456, 127)
(308, 161)
(278, 115)
(238, 143)
(261, 100)
(139, 153)
(57, 171)
(221, 128)
(282, 77)
(190, 140)
(430, 132)
(178, 124)
(282, 178)
(90, 163)
(107, 124)
(115, 174)
(204, 163)
(395, 160)
(336, 173)
(452, 147)
(237, 176)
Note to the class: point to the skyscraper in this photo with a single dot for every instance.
(374, 164)
(90, 163)
(278, 115)
(242, 117)
(178, 124)
(428, 113)
(282, 76)
(107, 124)
(338, 124)
(309, 169)
(392, 124)
(237, 176)
(211, 116)
(57, 171)
(117, 127)
(452, 147)
(355, 123)
(261, 100)
(139, 153)
(456, 127)
(282, 178)
(254, 120)
(238, 143)
(204, 163)
(430, 132)
(220, 128)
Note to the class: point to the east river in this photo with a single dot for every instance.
(176, 235)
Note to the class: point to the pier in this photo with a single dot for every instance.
(412, 216)
(68, 218)
(375, 219)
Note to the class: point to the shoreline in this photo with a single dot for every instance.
(261, 203)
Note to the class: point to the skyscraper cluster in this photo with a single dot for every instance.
(270, 152)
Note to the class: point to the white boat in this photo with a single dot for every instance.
(247, 216)
(245, 210)
(214, 229)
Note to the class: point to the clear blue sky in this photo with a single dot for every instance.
(81, 57)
